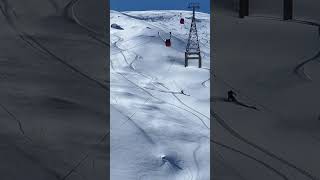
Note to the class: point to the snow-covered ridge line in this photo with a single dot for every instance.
(160, 11)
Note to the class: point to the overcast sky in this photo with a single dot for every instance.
(131, 5)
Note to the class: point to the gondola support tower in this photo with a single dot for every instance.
(193, 47)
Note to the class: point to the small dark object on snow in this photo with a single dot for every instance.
(181, 21)
(231, 95)
(231, 98)
(182, 92)
(116, 26)
(148, 27)
(168, 41)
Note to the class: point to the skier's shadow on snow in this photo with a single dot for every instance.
(235, 101)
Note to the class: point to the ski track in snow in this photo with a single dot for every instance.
(283, 176)
(254, 145)
(193, 111)
(128, 63)
(234, 133)
(299, 69)
(35, 44)
(31, 42)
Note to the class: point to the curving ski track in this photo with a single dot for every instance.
(283, 176)
(299, 69)
(128, 58)
(33, 43)
(21, 129)
(272, 155)
(69, 8)
(150, 94)
(40, 48)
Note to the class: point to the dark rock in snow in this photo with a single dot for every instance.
(116, 26)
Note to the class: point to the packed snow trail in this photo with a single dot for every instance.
(147, 81)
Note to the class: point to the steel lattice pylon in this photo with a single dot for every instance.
(193, 47)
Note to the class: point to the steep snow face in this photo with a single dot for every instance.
(274, 66)
(160, 110)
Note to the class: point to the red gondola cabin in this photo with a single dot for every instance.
(168, 42)
(181, 21)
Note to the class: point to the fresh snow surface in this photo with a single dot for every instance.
(156, 132)
(274, 66)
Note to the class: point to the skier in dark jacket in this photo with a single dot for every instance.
(183, 93)
(231, 95)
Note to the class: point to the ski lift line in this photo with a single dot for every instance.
(178, 37)
(173, 104)
(165, 30)
(153, 25)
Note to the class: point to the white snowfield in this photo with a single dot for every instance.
(274, 66)
(160, 110)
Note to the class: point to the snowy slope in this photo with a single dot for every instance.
(281, 140)
(156, 131)
(53, 95)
